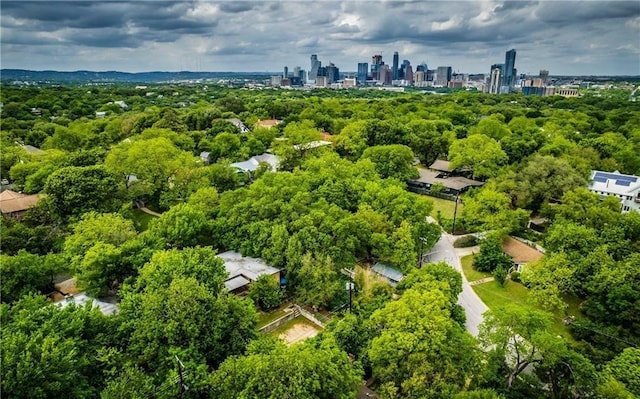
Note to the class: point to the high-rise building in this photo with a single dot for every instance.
(315, 66)
(286, 72)
(495, 78)
(443, 75)
(422, 67)
(376, 62)
(544, 75)
(395, 65)
(408, 74)
(332, 73)
(509, 72)
(363, 71)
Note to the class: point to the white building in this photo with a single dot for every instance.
(624, 187)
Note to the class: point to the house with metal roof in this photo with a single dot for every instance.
(452, 184)
(624, 187)
(392, 275)
(243, 270)
(252, 164)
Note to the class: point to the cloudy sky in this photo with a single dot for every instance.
(565, 37)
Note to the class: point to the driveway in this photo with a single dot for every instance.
(473, 306)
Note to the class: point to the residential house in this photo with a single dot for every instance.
(238, 123)
(441, 172)
(243, 270)
(624, 187)
(252, 164)
(205, 157)
(14, 204)
(521, 253)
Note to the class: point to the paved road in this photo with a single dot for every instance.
(468, 299)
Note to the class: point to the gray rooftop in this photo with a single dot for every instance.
(251, 165)
(393, 275)
(454, 182)
(235, 283)
(81, 299)
(249, 268)
(442, 165)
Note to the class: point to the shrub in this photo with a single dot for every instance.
(515, 276)
(465, 242)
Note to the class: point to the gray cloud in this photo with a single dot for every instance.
(600, 37)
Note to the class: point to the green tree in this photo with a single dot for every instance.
(265, 293)
(491, 255)
(73, 191)
(25, 273)
(420, 351)
(317, 272)
(626, 369)
(314, 370)
(182, 226)
(394, 161)
(479, 153)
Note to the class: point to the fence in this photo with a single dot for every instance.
(278, 322)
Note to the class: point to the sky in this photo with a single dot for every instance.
(564, 37)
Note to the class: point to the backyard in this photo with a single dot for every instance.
(446, 207)
(495, 295)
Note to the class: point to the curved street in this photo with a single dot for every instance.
(468, 299)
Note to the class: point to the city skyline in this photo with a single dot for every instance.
(567, 38)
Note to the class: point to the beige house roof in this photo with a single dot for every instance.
(520, 252)
(11, 202)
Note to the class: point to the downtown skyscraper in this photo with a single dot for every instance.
(509, 72)
(396, 59)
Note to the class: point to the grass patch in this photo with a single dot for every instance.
(494, 295)
(298, 320)
(445, 207)
(141, 219)
(469, 272)
(265, 318)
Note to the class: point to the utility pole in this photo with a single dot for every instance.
(350, 288)
(455, 212)
(183, 387)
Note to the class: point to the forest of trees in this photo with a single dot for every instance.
(324, 210)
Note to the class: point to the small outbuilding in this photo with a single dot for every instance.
(391, 274)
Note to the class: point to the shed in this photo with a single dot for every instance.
(392, 275)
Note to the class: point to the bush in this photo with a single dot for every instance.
(500, 274)
(515, 276)
(465, 242)
(265, 293)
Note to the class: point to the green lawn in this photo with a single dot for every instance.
(141, 220)
(445, 207)
(493, 295)
(265, 318)
(469, 272)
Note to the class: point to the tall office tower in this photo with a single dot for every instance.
(332, 73)
(544, 75)
(296, 71)
(495, 77)
(395, 65)
(429, 75)
(403, 69)
(386, 74)
(509, 72)
(315, 65)
(363, 71)
(408, 74)
(419, 76)
(422, 67)
(286, 72)
(376, 61)
(443, 75)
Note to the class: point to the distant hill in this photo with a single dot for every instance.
(122, 77)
